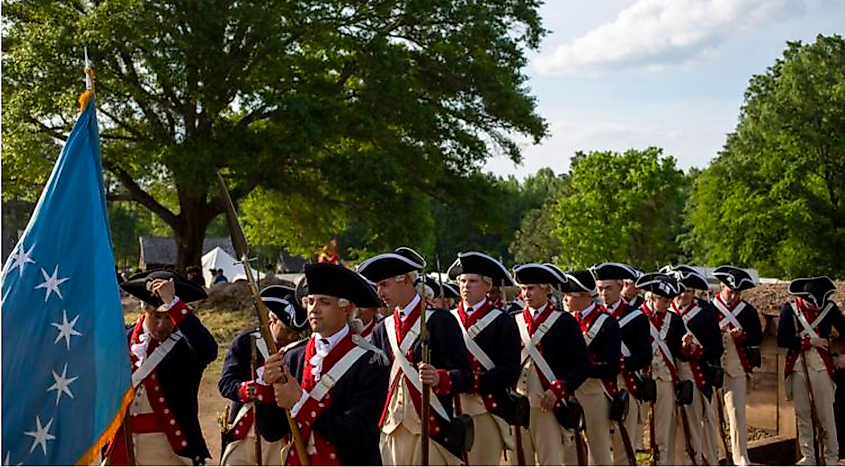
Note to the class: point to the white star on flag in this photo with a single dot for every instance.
(20, 258)
(41, 435)
(66, 329)
(8, 461)
(51, 283)
(62, 384)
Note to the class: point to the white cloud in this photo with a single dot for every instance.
(653, 34)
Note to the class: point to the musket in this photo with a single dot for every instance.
(818, 428)
(130, 441)
(425, 409)
(655, 450)
(254, 367)
(720, 406)
(581, 447)
(242, 252)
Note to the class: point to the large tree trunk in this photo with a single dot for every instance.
(193, 220)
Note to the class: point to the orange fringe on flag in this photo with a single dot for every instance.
(107, 435)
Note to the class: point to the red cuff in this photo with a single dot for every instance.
(559, 389)
(740, 337)
(805, 343)
(243, 391)
(445, 386)
(179, 311)
(264, 393)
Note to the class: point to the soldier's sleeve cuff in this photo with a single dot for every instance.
(475, 382)
(264, 393)
(178, 310)
(294, 411)
(445, 385)
(559, 389)
(693, 351)
(243, 392)
(805, 343)
(740, 337)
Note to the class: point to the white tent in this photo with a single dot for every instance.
(219, 259)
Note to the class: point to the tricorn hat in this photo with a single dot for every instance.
(580, 281)
(536, 273)
(401, 261)
(187, 291)
(338, 281)
(659, 284)
(686, 275)
(814, 289)
(614, 271)
(281, 301)
(735, 278)
(475, 262)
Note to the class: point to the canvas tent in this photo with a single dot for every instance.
(219, 259)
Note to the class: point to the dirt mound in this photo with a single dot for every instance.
(235, 295)
(769, 298)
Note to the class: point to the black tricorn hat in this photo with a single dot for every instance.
(187, 291)
(686, 275)
(338, 281)
(814, 289)
(476, 262)
(401, 261)
(536, 273)
(614, 271)
(735, 278)
(281, 301)
(579, 281)
(449, 290)
(659, 284)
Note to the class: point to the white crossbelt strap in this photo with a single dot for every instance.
(474, 330)
(401, 363)
(658, 340)
(529, 344)
(810, 329)
(629, 317)
(594, 329)
(328, 380)
(691, 314)
(729, 318)
(153, 360)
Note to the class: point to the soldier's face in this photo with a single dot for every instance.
(473, 288)
(396, 294)
(366, 314)
(534, 295)
(685, 298)
(628, 290)
(159, 324)
(610, 291)
(325, 314)
(660, 304)
(730, 295)
(577, 301)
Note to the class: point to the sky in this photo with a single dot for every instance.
(621, 74)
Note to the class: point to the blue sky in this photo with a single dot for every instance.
(619, 74)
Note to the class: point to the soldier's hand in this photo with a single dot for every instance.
(819, 342)
(287, 393)
(688, 339)
(165, 289)
(273, 368)
(736, 332)
(549, 400)
(428, 374)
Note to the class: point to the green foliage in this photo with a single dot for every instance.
(361, 107)
(774, 198)
(618, 207)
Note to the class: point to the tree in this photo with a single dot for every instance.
(620, 207)
(342, 104)
(774, 198)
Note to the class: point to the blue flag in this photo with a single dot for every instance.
(66, 370)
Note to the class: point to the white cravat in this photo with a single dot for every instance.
(535, 312)
(470, 309)
(140, 349)
(324, 345)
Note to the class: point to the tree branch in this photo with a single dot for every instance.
(136, 193)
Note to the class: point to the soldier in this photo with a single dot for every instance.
(668, 343)
(555, 363)
(241, 382)
(603, 339)
(702, 366)
(335, 382)
(365, 320)
(630, 291)
(804, 329)
(169, 349)
(448, 373)
(635, 347)
(492, 339)
(741, 336)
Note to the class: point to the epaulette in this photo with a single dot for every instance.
(378, 355)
